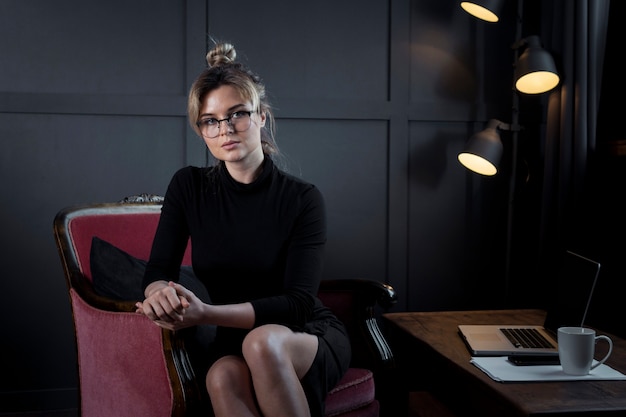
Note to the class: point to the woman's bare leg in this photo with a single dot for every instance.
(277, 359)
(230, 388)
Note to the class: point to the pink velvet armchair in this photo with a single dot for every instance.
(128, 366)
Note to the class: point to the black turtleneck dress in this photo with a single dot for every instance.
(260, 243)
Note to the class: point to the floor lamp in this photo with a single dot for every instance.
(534, 73)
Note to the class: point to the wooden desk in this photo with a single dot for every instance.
(433, 357)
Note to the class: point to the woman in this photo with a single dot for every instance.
(257, 245)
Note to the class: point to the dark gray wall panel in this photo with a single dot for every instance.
(442, 64)
(108, 47)
(347, 160)
(457, 224)
(49, 162)
(460, 68)
(437, 212)
(321, 49)
(75, 159)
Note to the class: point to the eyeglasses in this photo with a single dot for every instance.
(240, 122)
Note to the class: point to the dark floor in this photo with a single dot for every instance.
(54, 413)
(423, 404)
(420, 405)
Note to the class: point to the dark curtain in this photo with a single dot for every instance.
(576, 35)
(558, 144)
(579, 33)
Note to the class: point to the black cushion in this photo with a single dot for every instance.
(118, 275)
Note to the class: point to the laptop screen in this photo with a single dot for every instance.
(576, 282)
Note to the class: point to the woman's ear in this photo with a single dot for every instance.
(262, 118)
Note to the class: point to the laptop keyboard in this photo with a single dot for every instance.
(526, 338)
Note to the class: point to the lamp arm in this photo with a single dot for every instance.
(519, 44)
(500, 125)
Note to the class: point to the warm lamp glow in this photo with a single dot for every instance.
(483, 151)
(479, 11)
(477, 164)
(535, 70)
(537, 82)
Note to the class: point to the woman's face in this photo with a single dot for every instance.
(231, 145)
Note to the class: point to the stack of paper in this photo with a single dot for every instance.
(500, 369)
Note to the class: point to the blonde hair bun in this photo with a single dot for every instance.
(222, 53)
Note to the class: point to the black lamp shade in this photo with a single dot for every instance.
(488, 10)
(483, 152)
(535, 71)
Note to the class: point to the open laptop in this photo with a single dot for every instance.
(568, 307)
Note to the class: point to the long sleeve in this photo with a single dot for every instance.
(171, 237)
(303, 269)
(261, 243)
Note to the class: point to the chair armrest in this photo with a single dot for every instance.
(355, 301)
(186, 397)
(369, 291)
(84, 287)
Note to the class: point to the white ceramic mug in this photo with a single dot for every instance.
(577, 348)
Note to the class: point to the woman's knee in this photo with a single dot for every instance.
(265, 344)
(273, 348)
(226, 374)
